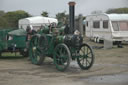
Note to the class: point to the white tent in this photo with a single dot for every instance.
(36, 22)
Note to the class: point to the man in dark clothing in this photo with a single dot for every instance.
(66, 29)
(29, 33)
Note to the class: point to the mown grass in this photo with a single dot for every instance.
(9, 55)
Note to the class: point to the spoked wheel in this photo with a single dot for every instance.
(86, 57)
(35, 53)
(43, 43)
(62, 57)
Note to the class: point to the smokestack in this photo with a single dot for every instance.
(72, 16)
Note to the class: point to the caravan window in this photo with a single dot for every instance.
(120, 25)
(123, 26)
(115, 26)
(96, 24)
(105, 24)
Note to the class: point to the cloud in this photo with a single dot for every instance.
(35, 7)
(1, 4)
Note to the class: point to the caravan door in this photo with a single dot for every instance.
(90, 28)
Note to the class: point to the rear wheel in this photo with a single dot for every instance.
(35, 53)
(62, 57)
(43, 43)
(86, 57)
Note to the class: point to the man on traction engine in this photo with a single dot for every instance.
(30, 32)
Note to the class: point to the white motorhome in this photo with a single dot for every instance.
(112, 27)
(36, 22)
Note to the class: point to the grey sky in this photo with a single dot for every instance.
(35, 7)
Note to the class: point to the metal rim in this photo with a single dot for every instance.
(62, 57)
(86, 57)
(34, 51)
(43, 43)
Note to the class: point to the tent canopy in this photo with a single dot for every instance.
(38, 20)
(18, 32)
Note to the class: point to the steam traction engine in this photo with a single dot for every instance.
(61, 47)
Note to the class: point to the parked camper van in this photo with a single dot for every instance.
(112, 27)
(36, 22)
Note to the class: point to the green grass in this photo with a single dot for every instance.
(9, 55)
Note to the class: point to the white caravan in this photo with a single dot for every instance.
(36, 22)
(112, 27)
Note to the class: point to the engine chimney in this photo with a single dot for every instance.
(72, 16)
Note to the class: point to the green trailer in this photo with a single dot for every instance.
(12, 40)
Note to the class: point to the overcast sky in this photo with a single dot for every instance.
(35, 7)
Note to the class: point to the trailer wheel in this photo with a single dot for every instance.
(95, 39)
(86, 57)
(62, 57)
(25, 54)
(35, 53)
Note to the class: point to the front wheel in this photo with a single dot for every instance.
(62, 57)
(86, 57)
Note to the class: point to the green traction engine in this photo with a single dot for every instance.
(60, 46)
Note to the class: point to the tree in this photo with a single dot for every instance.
(3, 23)
(2, 12)
(14, 16)
(62, 17)
(118, 11)
(45, 14)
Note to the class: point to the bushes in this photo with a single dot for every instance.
(10, 19)
(118, 11)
